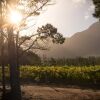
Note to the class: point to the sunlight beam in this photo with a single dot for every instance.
(15, 17)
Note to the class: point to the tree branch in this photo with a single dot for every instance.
(35, 11)
(27, 39)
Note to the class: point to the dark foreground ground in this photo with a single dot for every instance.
(42, 92)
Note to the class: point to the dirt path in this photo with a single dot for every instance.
(54, 93)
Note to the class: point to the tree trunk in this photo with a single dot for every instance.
(2, 49)
(14, 69)
(2, 63)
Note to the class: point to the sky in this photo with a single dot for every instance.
(69, 16)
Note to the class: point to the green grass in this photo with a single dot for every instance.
(59, 74)
(62, 74)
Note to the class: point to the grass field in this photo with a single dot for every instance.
(63, 74)
(60, 74)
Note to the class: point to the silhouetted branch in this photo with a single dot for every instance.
(26, 38)
(34, 12)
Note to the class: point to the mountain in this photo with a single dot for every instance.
(85, 43)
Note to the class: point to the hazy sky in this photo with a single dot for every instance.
(69, 16)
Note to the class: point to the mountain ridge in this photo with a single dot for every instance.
(85, 43)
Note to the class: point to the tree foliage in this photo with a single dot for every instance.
(79, 61)
(97, 8)
(50, 31)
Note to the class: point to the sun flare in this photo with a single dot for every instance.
(15, 17)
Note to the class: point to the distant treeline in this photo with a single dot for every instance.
(28, 58)
(79, 61)
(24, 58)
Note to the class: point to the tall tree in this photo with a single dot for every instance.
(13, 33)
(2, 48)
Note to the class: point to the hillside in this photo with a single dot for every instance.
(85, 43)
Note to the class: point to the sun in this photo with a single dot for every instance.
(15, 17)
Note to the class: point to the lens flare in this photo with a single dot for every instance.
(15, 17)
